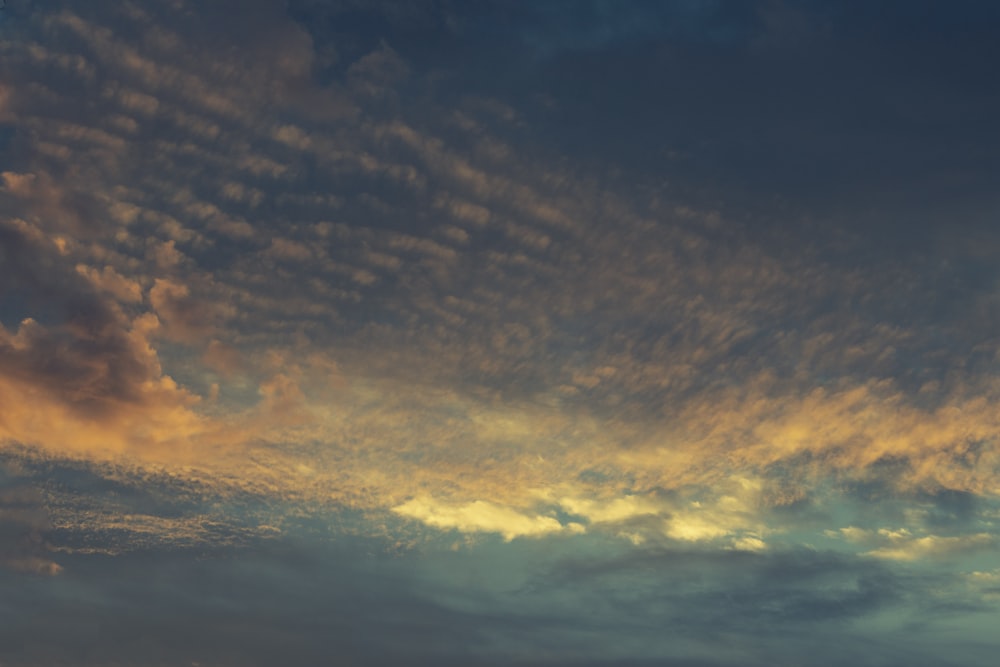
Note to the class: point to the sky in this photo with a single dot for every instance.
(593, 333)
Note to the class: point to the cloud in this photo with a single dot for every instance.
(362, 353)
(614, 509)
(483, 516)
(62, 209)
(184, 317)
(95, 352)
(903, 545)
(90, 379)
(109, 280)
(23, 526)
(504, 604)
(736, 514)
(502, 323)
(903, 548)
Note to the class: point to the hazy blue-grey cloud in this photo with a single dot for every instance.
(297, 601)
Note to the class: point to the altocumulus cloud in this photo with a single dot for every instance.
(363, 329)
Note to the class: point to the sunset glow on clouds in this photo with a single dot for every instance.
(547, 333)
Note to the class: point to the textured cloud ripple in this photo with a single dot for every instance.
(440, 333)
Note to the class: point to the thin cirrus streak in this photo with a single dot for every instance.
(247, 282)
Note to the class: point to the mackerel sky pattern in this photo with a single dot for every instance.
(551, 333)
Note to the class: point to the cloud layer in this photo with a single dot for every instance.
(276, 273)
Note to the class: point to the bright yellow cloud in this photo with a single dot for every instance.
(482, 516)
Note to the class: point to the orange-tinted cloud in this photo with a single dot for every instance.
(446, 325)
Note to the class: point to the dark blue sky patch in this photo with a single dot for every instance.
(844, 113)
